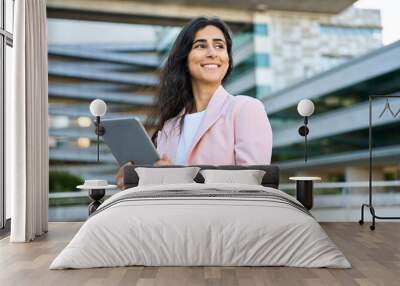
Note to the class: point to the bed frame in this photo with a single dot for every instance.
(270, 179)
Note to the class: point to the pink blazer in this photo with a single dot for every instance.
(234, 131)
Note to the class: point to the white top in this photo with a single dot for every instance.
(305, 178)
(190, 126)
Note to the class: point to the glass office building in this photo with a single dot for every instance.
(119, 63)
(275, 54)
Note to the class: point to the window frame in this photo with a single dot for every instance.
(6, 39)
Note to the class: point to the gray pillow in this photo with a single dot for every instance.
(162, 176)
(248, 177)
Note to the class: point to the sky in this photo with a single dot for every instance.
(390, 15)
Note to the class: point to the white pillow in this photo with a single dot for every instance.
(248, 177)
(162, 176)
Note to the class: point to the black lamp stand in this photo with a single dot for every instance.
(100, 130)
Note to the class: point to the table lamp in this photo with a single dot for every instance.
(98, 108)
(305, 108)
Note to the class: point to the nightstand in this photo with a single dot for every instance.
(304, 190)
(96, 193)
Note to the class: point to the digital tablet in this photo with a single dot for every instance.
(128, 141)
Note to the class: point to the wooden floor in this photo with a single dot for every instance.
(374, 255)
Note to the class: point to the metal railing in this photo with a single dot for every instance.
(341, 194)
(352, 194)
(78, 194)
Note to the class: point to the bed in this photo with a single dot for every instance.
(201, 224)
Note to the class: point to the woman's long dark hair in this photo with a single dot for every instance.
(175, 88)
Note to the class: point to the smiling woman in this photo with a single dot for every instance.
(198, 121)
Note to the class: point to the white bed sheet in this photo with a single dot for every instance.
(191, 231)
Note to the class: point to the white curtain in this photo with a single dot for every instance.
(26, 123)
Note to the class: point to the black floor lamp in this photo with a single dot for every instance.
(304, 184)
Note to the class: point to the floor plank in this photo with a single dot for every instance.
(374, 255)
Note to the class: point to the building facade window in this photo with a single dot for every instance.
(261, 29)
(330, 61)
(262, 60)
(241, 39)
(6, 43)
(349, 31)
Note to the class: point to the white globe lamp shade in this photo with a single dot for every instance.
(98, 107)
(305, 107)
